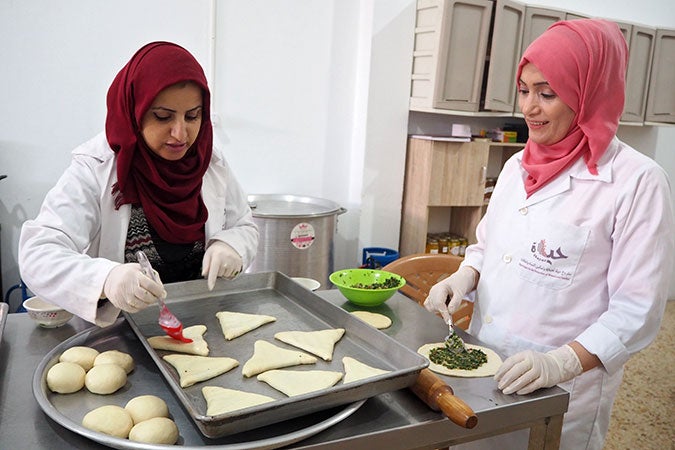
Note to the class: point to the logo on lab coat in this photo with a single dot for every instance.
(541, 253)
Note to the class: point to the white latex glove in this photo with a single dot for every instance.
(455, 287)
(220, 260)
(130, 290)
(528, 371)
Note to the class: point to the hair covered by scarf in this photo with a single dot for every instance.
(168, 191)
(584, 62)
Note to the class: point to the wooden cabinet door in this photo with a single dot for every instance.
(462, 50)
(458, 172)
(661, 99)
(640, 49)
(507, 38)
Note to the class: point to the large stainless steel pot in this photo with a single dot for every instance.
(296, 235)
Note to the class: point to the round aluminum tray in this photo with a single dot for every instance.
(68, 410)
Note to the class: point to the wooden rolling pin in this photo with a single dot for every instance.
(440, 397)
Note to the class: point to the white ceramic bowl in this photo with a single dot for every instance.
(308, 283)
(46, 314)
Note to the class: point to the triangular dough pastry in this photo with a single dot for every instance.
(320, 343)
(268, 356)
(356, 370)
(222, 400)
(193, 369)
(198, 345)
(234, 324)
(298, 382)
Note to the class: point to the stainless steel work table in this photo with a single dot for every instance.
(395, 420)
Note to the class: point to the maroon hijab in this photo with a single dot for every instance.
(168, 191)
(584, 62)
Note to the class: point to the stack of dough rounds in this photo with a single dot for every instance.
(105, 379)
(152, 424)
(65, 377)
(81, 355)
(79, 366)
(124, 360)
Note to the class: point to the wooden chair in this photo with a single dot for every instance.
(421, 271)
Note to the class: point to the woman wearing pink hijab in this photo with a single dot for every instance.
(574, 256)
(152, 181)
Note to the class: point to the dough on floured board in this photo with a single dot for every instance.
(486, 370)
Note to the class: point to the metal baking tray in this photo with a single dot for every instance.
(4, 309)
(68, 410)
(296, 309)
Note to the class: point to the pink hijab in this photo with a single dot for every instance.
(169, 191)
(584, 62)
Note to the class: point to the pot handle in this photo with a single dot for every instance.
(341, 210)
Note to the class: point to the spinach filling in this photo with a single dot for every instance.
(387, 283)
(453, 356)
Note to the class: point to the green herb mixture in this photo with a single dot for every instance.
(387, 283)
(453, 356)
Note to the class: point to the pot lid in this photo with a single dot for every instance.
(281, 206)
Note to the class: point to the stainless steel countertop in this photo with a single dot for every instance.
(395, 420)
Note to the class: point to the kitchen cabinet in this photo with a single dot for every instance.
(451, 40)
(507, 40)
(444, 187)
(640, 41)
(661, 98)
(537, 20)
(466, 56)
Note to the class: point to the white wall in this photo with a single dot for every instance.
(311, 96)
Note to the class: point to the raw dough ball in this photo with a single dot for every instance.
(105, 379)
(81, 355)
(124, 360)
(109, 419)
(65, 377)
(146, 407)
(158, 430)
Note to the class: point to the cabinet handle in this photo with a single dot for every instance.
(483, 175)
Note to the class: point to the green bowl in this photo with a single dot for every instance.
(345, 280)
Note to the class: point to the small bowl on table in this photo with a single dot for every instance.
(367, 287)
(46, 314)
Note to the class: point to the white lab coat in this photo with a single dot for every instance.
(67, 251)
(586, 258)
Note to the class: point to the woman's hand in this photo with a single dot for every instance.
(454, 288)
(528, 371)
(220, 260)
(130, 290)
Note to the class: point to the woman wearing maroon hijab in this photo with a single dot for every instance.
(153, 181)
(572, 265)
